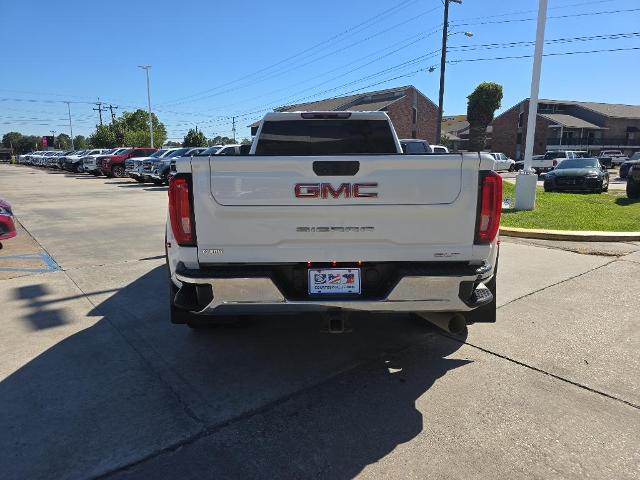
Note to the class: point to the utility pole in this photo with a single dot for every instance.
(443, 63)
(70, 127)
(233, 128)
(146, 69)
(113, 115)
(526, 180)
(99, 110)
(53, 132)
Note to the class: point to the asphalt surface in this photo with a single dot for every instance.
(95, 381)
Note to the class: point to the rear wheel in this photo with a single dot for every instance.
(118, 171)
(633, 189)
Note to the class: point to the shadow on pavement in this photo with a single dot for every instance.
(277, 398)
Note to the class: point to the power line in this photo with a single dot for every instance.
(414, 72)
(520, 12)
(384, 14)
(510, 57)
(573, 15)
(489, 46)
(292, 67)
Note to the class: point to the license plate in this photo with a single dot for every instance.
(334, 280)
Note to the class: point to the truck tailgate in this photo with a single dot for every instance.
(398, 180)
(253, 209)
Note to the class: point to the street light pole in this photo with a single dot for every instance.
(146, 69)
(70, 127)
(527, 179)
(53, 132)
(443, 64)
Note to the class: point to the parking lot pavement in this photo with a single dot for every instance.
(615, 182)
(95, 381)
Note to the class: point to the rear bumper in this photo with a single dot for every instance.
(454, 290)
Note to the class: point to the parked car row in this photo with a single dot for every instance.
(143, 164)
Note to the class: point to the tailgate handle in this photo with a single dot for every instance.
(330, 168)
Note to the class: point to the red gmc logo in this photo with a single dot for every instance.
(326, 190)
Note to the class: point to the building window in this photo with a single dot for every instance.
(414, 115)
(521, 120)
(545, 108)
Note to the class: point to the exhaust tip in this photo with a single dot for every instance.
(455, 324)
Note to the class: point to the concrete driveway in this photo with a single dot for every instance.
(95, 381)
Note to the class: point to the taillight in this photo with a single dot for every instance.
(555, 163)
(490, 198)
(180, 211)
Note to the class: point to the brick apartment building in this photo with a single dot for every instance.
(570, 125)
(412, 113)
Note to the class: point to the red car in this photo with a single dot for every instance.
(7, 227)
(113, 165)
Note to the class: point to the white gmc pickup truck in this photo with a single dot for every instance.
(326, 214)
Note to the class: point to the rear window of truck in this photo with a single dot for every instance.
(325, 137)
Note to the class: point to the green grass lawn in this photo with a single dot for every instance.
(612, 211)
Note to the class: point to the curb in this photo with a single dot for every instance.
(568, 235)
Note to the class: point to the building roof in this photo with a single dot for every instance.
(569, 121)
(612, 110)
(340, 103)
(615, 110)
(360, 102)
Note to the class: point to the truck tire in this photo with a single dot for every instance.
(633, 189)
(118, 171)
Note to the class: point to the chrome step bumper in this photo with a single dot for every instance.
(411, 294)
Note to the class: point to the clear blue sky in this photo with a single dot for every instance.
(213, 60)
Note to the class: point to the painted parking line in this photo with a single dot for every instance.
(49, 264)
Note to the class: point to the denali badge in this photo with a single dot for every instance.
(335, 229)
(326, 190)
(212, 251)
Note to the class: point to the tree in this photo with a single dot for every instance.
(172, 144)
(245, 141)
(218, 140)
(194, 138)
(482, 104)
(11, 139)
(80, 142)
(29, 143)
(130, 129)
(136, 129)
(63, 141)
(445, 141)
(103, 137)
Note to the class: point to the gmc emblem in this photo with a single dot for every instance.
(326, 190)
